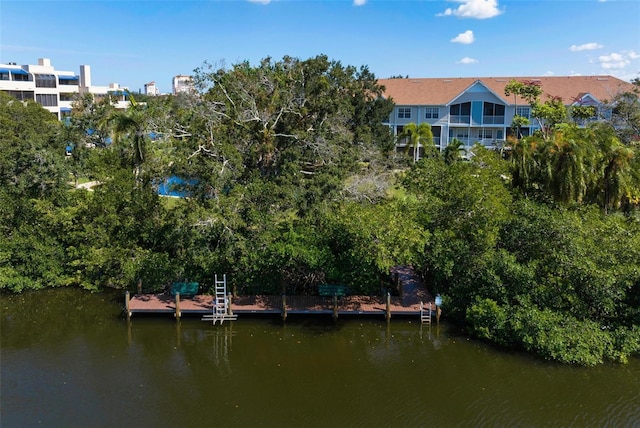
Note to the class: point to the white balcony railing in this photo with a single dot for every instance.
(493, 120)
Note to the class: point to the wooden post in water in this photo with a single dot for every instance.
(388, 306)
(335, 307)
(127, 298)
(284, 307)
(129, 337)
(177, 305)
(178, 332)
(229, 309)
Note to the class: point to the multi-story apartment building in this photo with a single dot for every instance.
(55, 89)
(151, 89)
(476, 110)
(182, 83)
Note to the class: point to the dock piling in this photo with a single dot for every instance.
(127, 304)
(335, 307)
(177, 315)
(284, 307)
(388, 306)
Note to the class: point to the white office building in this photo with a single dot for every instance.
(151, 89)
(55, 89)
(182, 83)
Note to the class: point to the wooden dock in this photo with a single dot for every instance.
(413, 299)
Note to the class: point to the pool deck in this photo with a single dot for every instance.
(413, 293)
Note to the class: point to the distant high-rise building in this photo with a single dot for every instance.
(151, 89)
(55, 89)
(183, 83)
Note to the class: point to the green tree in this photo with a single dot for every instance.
(625, 116)
(530, 92)
(548, 113)
(33, 185)
(32, 155)
(313, 114)
(568, 162)
(451, 153)
(90, 121)
(417, 137)
(130, 135)
(616, 181)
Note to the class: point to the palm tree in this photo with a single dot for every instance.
(130, 125)
(615, 170)
(525, 161)
(451, 153)
(568, 164)
(418, 136)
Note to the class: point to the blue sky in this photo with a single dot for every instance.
(135, 42)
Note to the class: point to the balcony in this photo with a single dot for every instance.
(490, 143)
(493, 120)
(460, 119)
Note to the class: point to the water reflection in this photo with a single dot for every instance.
(71, 359)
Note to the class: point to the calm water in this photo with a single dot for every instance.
(69, 359)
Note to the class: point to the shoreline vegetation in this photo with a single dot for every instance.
(293, 181)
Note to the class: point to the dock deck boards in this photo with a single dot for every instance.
(408, 303)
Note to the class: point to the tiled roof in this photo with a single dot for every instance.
(441, 91)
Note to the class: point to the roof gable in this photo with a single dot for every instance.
(585, 99)
(477, 90)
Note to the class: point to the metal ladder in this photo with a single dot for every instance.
(425, 313)
(220, 302)
(220, 299)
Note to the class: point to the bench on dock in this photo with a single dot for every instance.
(326, 290)
(186, 289)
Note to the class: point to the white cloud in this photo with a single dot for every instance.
(260, 1)
(549, 73)
(478, 9)
(464, 38)
(467, 60)
(585, 47)
(617, 60)
(359, 2)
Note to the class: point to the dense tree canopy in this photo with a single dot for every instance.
(293, 181)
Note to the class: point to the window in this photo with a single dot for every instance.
(493, 113)
(47, 100)
(524, 112)
(67, 96)
(461, 134)
(485, 134)
(399, 129)
(432, 113)
(4, 75)
(21, 95)
(68, 80)
(460, 113)
(519, 133)
(20, 77)
(45, 81)
(404, 113)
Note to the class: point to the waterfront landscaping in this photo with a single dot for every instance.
(296, 183)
